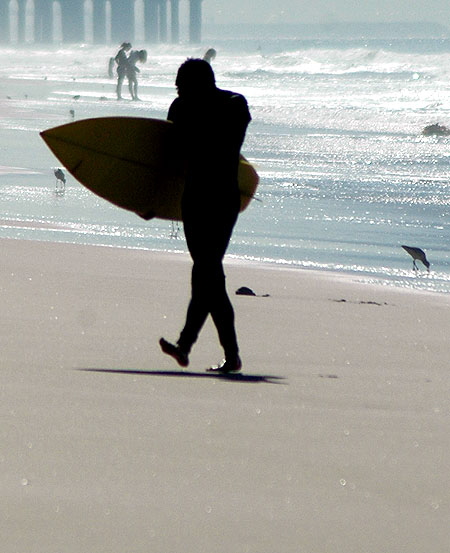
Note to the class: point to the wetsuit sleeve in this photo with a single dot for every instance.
(242, 111)
(240, 116)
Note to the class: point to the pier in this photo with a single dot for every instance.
(96, 21)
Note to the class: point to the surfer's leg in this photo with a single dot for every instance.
(222, 313)
(119, 86)
(135, 89)
(198, 309)
(132, 86)
(209, 295)
(219, 303)
(207, 247)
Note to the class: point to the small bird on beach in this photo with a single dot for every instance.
(419, 255)
(60, 180)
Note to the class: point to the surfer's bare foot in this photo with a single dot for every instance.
(174, 351)
(230, 366)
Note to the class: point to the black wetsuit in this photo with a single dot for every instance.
(122, 62)
(210, 130)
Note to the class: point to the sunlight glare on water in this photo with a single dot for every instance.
(346, 175)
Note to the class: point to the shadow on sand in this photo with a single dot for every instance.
(241, 377)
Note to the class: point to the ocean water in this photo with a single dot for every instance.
(346, 175)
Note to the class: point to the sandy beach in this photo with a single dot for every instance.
(334, 438)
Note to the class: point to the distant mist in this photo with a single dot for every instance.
(389, 30)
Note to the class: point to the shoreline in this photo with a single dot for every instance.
(357, 278)
(240, 272)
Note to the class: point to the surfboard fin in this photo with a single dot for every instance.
(147, 215)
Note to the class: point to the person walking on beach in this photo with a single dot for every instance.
(210, 126)
(122, 63)
(132, 70)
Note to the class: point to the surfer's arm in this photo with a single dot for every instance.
(239, 117)
(241, 107)
(172, 115)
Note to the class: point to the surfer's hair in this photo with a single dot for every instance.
(195, 74)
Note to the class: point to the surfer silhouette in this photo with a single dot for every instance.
(132, 70)
(210, 126)
(122, 63)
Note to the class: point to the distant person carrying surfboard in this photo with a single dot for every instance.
(210, 126)
(122, 63)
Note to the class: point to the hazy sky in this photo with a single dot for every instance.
(326, 11)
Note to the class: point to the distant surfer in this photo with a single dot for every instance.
(209, 55)
(132, 70)
(122, 63)
(210, 126)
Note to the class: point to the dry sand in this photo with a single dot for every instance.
(334, 439)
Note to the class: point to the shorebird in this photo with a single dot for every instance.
(419, 255)
(60, 180)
